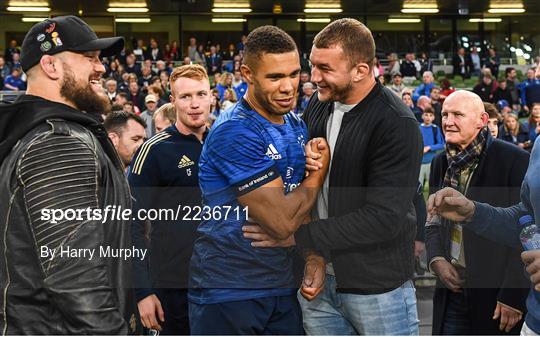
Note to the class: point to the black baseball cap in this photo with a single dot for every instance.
(64, 33)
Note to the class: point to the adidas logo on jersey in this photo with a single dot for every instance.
(272, 152)
(185, 161)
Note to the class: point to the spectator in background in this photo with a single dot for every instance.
(239, 85)
(530, 90)
(377, 68)
(406, 97)
(127, 133)
(307, 89)
(305, 77)
(485, 88)
(533, 124)
(145, 78)
(164, 77)
(154, 53)
(397, 85)
(135, 97)
(461, 64)
(512, 84)
(14, 82)
(230, 53)
(476, 62)
(393, 65)
(504, 108)
(164, 117)
(140, 51)
(224, 83)
(213, 61)
(435, 96)
(200, 56)
(10, 51)
(192, 52)
(5, 70)
(425, 63)
(113, 71)
(494, 119)
(16, 63)
(186, 61)
(433, 143)
(229, 99)
(234, 65)
(120, 99)
(160, 66)
(158, 92)
(128, 107)
(422, 104)
(502, 92)
(215, 105)
(446, 88)
(407, 68)
(123, 86)
(240, 45)
(132, 67)
(150, 102)
(111, 89)
(493, 62)
(424, 89)
(514, 132)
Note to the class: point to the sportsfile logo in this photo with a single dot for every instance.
(272, 152)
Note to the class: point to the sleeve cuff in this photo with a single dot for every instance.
(436, 258)
(141, 293)
(303, 238)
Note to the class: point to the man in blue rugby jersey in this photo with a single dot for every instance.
(252, 166)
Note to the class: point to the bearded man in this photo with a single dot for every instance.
(55, 155)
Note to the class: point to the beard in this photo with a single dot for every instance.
(82, 95)
(339, 93)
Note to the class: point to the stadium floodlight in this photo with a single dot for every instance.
(323, 10)
(127, 9)
(33, 19)
(28, 9)
(231, 10)
(314, 20)
(404, 20)
(228, 20)
(485, 20)
(506, 10)
(419, 10)
(133, 20)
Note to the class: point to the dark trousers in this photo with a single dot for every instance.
(456, 315)
(276, 315)
(175, 305)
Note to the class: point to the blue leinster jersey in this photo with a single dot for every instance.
(243, 152)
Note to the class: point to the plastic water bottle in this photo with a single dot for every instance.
(529, 236)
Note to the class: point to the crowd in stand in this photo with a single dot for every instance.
(137, 80)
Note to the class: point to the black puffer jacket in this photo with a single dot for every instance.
(60, 159)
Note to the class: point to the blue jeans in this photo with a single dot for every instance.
(333, 313)
(457, 320)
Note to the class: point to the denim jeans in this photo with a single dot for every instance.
(457, 320)
(333, 313)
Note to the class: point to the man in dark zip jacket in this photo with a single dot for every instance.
(55, 274)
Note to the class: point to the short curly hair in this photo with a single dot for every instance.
(267, 40)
